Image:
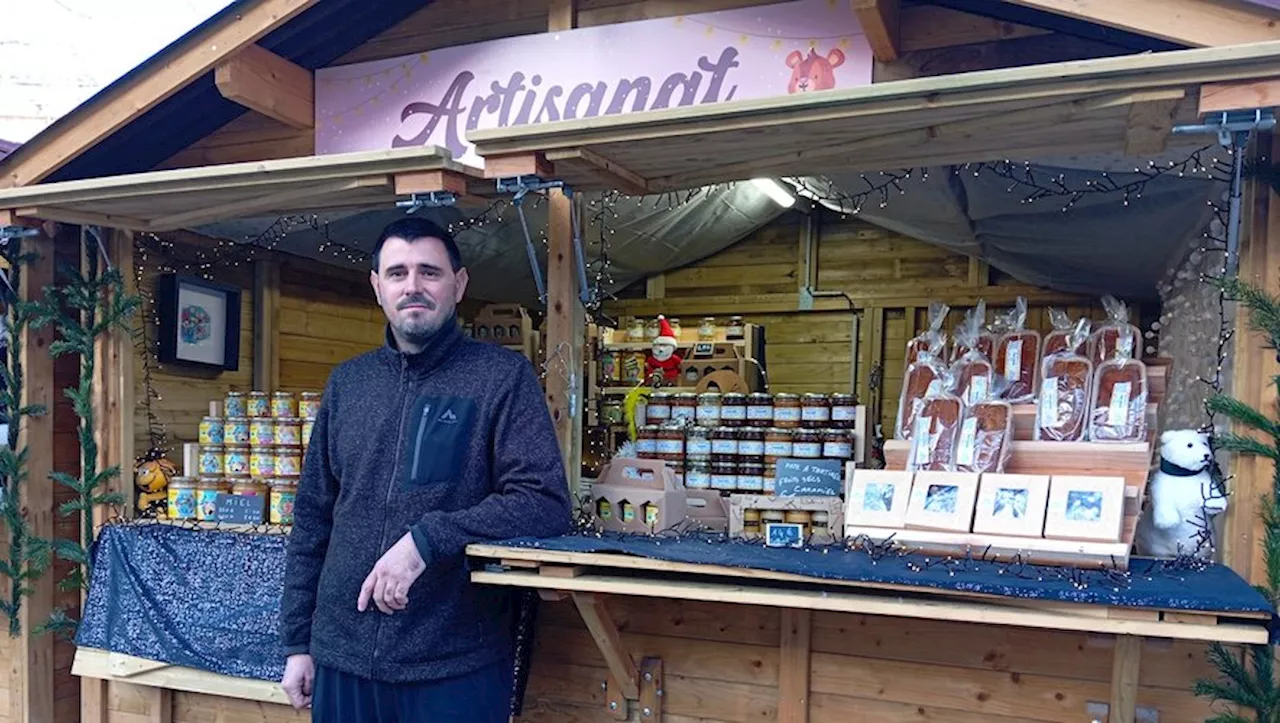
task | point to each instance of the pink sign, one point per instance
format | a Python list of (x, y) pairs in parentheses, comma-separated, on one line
[(436, 98)]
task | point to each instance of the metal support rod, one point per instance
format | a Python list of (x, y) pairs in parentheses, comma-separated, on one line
[(1239, 142), (533, 254), (96, 233), (584, 293)]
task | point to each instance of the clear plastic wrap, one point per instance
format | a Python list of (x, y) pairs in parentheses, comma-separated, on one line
[(1017, 354), (985, 441), (986, 340), (1062, 335), (1066, 390), (973, 371), (936, 427), (932, 339), (922, 375), (1104, 343), (1119, 409)]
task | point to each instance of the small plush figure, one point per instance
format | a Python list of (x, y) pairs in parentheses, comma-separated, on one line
[(1184, 498), (662, 366), (151, 475)]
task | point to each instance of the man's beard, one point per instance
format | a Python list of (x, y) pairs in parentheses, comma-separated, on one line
[(419, 330)]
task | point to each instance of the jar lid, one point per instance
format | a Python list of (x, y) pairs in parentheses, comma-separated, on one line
[(735, 318), (779, 431), (283, 481), (257, 394), (787, 396), (686, 396), (708, 318), (240, 420), (660, 395), (235, 394), (289, 447), (182, 481), (237, 447), (311, 395), (735, 396), (842, 397), (212, 418), (760, 396), (819, 515), (699, 431), (709, 396), (211, 448), (283, 394), (815, 397)]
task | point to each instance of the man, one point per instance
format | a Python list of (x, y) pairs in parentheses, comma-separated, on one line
[(426, 444)]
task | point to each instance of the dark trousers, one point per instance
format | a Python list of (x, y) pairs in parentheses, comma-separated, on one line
[(480, 697)]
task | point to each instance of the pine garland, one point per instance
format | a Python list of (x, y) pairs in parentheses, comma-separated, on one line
[(29, 556), (1249, 683), (82, 309)]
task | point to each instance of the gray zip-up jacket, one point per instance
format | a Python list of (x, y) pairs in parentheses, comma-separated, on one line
[(454, 445)]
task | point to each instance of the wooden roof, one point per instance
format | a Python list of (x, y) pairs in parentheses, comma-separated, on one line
[(170, 199), (1127, 104)]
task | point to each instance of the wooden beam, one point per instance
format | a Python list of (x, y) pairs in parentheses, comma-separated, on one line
[(566, 333), (84, 218), (242, 208), (1219, 97), (610, 172), (31, 682), (1197, 23), (428, 181), (262, 81), (621, 666), (1150, 125), (879, 19), (930, 27), (562, 15), (518, 164), (793, 666), (159, 79), (655, 287), (1125, 667), (266, 325)]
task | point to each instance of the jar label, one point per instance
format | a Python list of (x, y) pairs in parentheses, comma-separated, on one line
[(670, 446), (309, 409), (708, 414), (751, 448), (837, 450), (646, 445), (724, 481), (182, 503), (211, 432), (786, 414), (816, 414), (683, 413), (777, 449), (724, 446), (807, 450), (770, 484), (699, 447), (697, 480), (759, 413), (844, 414), (752, 482), (658, 411), (735, 412), (234, 407)]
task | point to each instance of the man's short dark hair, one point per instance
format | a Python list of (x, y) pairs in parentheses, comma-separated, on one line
[(414, 228)]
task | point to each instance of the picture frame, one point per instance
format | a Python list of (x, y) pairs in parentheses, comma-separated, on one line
[(783, 534), (1087, 508), (199, 322), (877, 498), (942, 501), (1011, 504)]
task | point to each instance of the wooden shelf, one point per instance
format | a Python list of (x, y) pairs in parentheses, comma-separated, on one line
[(106, 665)]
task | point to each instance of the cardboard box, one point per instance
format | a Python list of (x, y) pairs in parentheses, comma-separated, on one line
[(502, 324), (708, 508), (833, 506), (638, 495)]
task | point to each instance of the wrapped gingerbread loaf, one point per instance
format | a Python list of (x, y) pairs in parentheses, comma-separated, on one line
[(986, 437), (986, 341), (1016, 355), (1105, 341), (973, 371), (1062, 336), (936, 427), (1119, 409), (933, 339), (922, 374), (1066, 389)]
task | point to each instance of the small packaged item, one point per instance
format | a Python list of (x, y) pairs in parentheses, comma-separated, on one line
[(973, 371), (1105, 341), (1119, 409), (986, 340), (937, 425), (1062, 335), (933, 339), (921, 376), (1066, 389), (986, 437), (1016, 356)]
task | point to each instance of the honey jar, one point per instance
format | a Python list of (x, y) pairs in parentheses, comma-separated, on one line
[(802, 518), (751, 444), (751, 476), (262, 431), (284, 492), (212, 431), (698, 444), (684, 407), (750, 523), (707, 329), (821, 522), (759, 410), (697, 475), (257, 405), (708, 410), (309, 405), (284, 405), (777, 443), (635, 330), (253, 488), (212, 460), (669, 443), (733, 410), (844, 411), (307, 426), (236, 461), (815, 411), (724, 476), (233, 405), (647, 441), (262, 462), (207, 496), (288, 432), (837, 444), (724, 445), (658, 410), (650, 514), (786, 411), (806, 444), (770, 516), (627, 511), (735, 329), (603, 509), (236, 430), (182, 498), (288, 461)]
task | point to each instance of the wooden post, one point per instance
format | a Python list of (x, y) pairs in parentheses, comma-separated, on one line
[(1125, 668), (266, 325), (566, 327), (1254, 368), (31, 679), (793, 666)]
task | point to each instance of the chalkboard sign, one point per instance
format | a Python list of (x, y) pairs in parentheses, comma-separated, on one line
[(243, 509), (810, 477)]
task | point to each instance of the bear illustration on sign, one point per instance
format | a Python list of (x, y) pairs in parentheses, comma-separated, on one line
[(815, 72)]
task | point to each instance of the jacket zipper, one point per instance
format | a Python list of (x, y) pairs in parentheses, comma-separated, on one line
[(417, 445), (395, 469)]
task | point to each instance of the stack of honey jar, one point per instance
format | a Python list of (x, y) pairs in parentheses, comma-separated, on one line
[(255, 448), (732, 442)]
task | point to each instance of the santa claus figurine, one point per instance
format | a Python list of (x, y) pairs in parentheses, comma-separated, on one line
[(662, 366)]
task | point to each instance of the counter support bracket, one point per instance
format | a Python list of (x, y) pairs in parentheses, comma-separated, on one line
[(624, 674)]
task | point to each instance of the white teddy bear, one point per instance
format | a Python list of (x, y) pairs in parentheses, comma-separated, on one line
[(1184, 498)]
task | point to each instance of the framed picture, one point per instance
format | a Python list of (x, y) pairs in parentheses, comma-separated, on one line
[(1085, 508), (1011, 504), (783, 534), (199, 322), (942, 501), (877, 498)]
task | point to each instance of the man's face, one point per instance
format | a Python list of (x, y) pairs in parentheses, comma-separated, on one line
[(417, 288)]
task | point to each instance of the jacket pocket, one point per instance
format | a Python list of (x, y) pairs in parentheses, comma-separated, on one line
[(439, 435)]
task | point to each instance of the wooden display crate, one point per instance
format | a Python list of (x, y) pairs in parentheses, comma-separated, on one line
[(833, 506)]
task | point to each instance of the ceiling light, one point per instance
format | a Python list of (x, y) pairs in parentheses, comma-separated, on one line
[(775, 191)]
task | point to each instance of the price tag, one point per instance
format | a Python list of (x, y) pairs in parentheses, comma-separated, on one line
[(1118, 409), (1049, 402), (1013, 360), (968, 442), (977, 388)]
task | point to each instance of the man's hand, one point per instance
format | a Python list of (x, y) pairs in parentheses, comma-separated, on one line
[(299, 677), (388, 584)]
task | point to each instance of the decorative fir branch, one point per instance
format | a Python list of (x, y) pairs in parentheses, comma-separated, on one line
[(82, 309), (29, 555)]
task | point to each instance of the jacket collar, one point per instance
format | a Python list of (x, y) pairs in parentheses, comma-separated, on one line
[(434, 354)]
